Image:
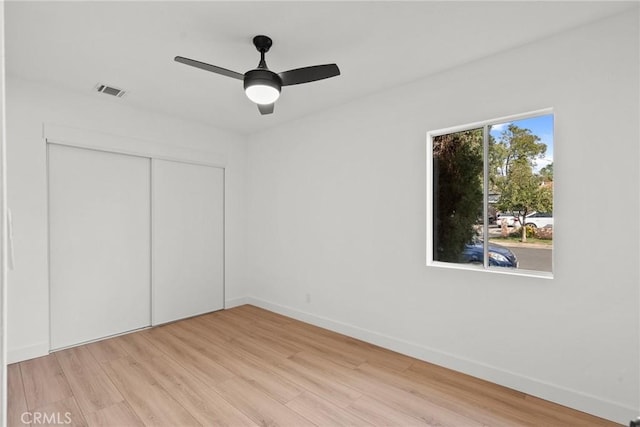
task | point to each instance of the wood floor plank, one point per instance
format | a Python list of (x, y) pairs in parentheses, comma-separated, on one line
[(290, 374), (258, 375), (256, 335), (379, 414), (275, 339), (44, 382), (340, 345), (206, 406), (259, 346), (221, 331), (137, 345), (189, 357), (62, 412), (560, 414), (91, 387), (505, 403), (337, 393), (433, 373), (106, 350), (407, 402), (304, 336), (16, 400), (262, 409), (323, 413), (119, 414), (469, 408), (151, 403)]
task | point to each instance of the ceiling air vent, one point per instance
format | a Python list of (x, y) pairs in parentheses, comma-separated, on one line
[(110, 90)]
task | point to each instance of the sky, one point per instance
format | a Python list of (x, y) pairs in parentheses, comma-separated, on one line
[(542, 126)]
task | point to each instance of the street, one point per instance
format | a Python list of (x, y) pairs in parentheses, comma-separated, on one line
[(529, 257), (538, 259)]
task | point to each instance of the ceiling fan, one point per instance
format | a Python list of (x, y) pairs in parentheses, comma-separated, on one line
[(262, 85)]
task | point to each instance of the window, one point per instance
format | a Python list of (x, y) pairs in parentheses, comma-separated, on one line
[(490, 195)]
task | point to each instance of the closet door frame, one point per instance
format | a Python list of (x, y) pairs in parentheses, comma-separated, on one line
[(78, 138)]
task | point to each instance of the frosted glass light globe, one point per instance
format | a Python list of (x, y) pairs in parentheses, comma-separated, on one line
[(262, 94)]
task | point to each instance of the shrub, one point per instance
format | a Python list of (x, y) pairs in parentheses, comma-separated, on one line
[(531, 232), (544, 233)]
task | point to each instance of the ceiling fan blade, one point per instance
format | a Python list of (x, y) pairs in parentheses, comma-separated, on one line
[(265, 108), (309, 74), (209, 67)]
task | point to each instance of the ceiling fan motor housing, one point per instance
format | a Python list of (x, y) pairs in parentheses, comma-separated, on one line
[(261, 76)]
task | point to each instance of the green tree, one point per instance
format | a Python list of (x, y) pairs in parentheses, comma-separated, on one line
[(457, 195), (497, 156), (513, 156), (546, 173), (515, 144)]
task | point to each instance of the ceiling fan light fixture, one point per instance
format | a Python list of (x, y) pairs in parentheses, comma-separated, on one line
[(262, 86), (262, 94)]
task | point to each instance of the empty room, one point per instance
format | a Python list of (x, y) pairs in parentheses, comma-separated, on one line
[(330, 213)]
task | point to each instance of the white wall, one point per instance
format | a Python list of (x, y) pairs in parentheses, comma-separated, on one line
[(336, 210), (29, 106)]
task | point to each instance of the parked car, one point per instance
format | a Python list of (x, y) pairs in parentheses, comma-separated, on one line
[(499, 256), (510, 217), (539, 219), (491, 220)]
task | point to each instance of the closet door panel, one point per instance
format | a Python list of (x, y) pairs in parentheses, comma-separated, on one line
[(188, 240), (99, 237)]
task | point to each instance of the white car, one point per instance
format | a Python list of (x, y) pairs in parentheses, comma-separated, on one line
[(508, 217), (539, 219)]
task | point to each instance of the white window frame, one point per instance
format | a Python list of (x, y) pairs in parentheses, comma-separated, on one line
[(485, 124)]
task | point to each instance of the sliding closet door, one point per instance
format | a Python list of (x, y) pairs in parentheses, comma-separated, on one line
[(99, 237), (188, 240)]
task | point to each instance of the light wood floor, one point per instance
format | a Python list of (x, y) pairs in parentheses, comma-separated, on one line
[(246, 367)]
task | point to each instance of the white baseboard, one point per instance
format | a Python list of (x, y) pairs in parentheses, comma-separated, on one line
[(235, 302), (571, 398), (29, 352)]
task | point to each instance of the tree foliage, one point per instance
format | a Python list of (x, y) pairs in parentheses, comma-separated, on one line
[(546, 173), (457, 195), (515, 145), (512, 158)]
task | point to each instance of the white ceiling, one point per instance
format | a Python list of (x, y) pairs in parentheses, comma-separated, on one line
[(377, 45)]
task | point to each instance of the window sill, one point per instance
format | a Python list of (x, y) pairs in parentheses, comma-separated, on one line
[(494, 270)]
